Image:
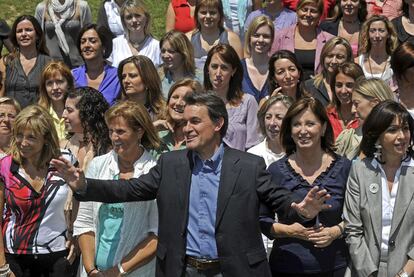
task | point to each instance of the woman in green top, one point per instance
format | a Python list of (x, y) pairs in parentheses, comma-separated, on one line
[(173, 137)]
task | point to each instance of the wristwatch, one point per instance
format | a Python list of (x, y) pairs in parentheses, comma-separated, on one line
[(402, 273)]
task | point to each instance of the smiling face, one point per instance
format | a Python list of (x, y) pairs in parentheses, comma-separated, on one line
[(176, 104), (171, 58), (260, 41), (307, 130), (25, 34), (273, 120), (378, 33), (132, 81), (335, 57), (395, 140), (71, 116), (349, 7), (286, 74), (344, 86), (29, 144), (220, 72), (125, 140), (201, 133), (208, 17), (135, 22), (56, 87), (91, 45), (7, 116), (308, 15)]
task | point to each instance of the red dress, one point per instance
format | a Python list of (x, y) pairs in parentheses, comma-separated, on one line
[(183, 20), (327, 6)]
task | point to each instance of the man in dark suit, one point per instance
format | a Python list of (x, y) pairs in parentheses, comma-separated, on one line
[(208, 199)]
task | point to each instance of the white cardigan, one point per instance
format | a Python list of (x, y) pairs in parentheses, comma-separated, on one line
[(140, 218)]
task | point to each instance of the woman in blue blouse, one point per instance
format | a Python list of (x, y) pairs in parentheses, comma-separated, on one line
[(95, 46), (317, 247)]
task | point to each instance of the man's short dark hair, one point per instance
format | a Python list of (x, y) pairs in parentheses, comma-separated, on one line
[(215, 107)]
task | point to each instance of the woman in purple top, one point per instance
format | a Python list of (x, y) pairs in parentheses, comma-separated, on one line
[(281, 16), (95, 45), (223, 73)]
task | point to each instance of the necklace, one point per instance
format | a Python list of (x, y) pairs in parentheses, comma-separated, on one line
[(370, 68), (137, 45)]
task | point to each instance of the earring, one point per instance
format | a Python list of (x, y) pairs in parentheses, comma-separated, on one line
[(378, 152)]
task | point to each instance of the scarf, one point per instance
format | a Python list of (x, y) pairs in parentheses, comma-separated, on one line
[(66, 11), (241, 10)]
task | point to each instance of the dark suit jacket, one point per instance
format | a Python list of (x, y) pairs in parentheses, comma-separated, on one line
[(244, 182)]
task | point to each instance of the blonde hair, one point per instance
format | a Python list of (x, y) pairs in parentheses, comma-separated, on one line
[(137, 7), (41, 123), (136, 117), (318, 3), (328, 47), (10, 101), (365, 44), (49, 71), (181, 44), (374, 88), (258, 22)]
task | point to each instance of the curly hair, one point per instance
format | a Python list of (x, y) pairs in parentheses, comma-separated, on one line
[(365, 44), (92, 107)]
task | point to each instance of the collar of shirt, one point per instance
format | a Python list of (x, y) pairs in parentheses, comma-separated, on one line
[(405, 163), (213, 163)]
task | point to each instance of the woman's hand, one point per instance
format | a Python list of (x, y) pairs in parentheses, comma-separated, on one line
[(72, 246), (323, 236), (297, 230), (112, 272), (161, 125)]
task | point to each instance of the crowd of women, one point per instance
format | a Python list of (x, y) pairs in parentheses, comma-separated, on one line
[(321, 89)]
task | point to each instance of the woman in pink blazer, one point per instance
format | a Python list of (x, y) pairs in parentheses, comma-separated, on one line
[(305, 39)]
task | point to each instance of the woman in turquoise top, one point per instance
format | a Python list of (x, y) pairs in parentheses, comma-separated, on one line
[(173, 137), (121, 237)]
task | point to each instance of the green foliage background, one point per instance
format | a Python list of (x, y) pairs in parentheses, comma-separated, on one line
[(10, 9)]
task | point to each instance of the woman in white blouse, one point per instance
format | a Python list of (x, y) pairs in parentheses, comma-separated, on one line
[(379, 203), (270, 116), (118, 238), (137, 39)]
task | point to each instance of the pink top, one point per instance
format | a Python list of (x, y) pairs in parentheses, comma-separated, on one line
[(390, 8), (285, 40)]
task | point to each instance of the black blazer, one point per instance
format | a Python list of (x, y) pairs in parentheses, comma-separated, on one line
[(244, 182)]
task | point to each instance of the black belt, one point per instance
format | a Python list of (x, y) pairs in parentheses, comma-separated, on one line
[(202, 263)]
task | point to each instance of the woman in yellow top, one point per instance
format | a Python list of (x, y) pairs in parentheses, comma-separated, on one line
[(55, 82)]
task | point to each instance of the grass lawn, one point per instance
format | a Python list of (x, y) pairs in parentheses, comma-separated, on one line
[(10, 9)]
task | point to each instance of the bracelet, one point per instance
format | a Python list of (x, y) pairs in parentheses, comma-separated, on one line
[(90, 271), (4, 268), (341, 229), (6, 273), (122, 272)]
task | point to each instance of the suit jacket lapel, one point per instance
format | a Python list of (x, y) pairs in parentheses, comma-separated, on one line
[(374, 197), (404, 196), (229, 174)]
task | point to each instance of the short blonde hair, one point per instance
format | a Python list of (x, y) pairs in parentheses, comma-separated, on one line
[(5, 100), (138, 7), (258, 22), (136, 117), (41, 123), (365, 44), (374, 88), (318, 3)]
